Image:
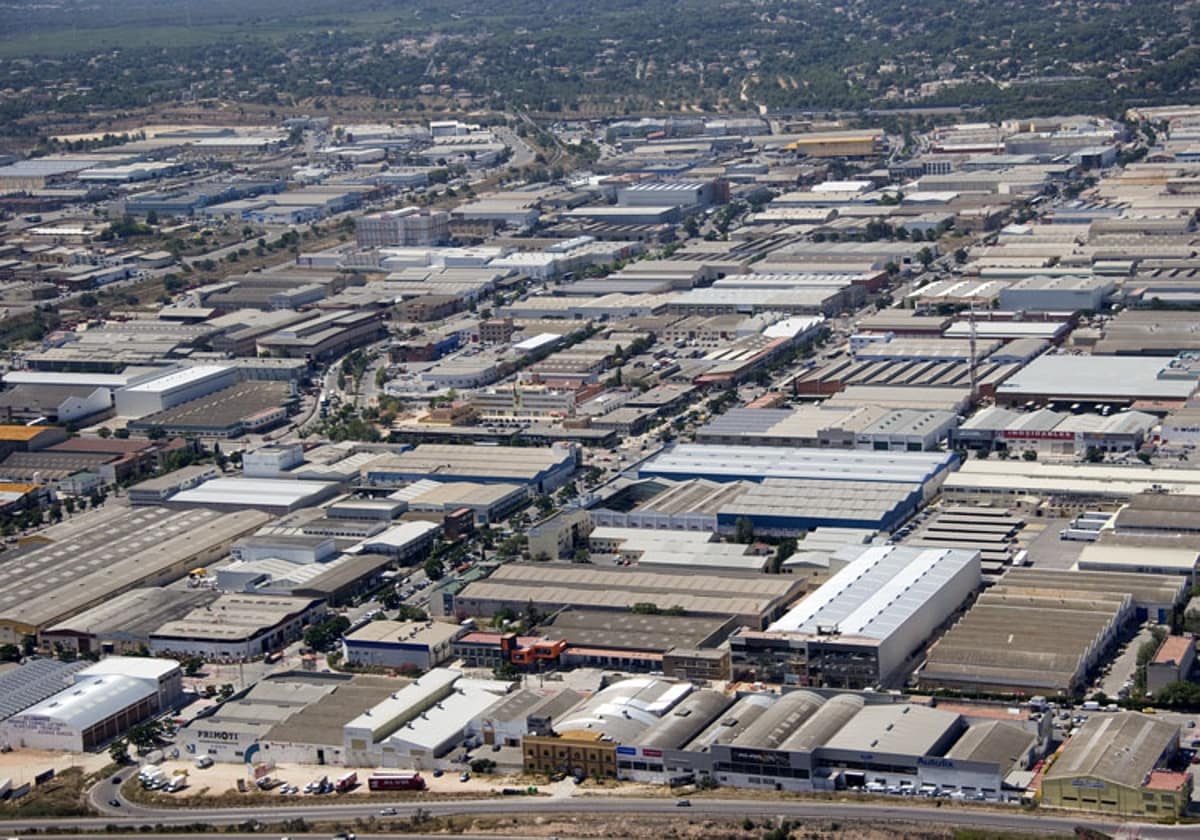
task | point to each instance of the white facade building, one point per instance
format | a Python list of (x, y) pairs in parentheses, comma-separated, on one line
[(173, 388)]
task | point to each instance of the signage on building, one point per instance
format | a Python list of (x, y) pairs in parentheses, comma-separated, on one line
[(1018, 434), (934, 761), (626, 750), (651, 753), (1088, 783), (216, 735), (768, 757)]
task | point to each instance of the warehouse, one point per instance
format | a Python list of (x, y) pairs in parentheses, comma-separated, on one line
[(312, 733), (171, 389), (1148, 332), (860, 627), (544, 469), (631, 641), (234, 730), (811, 300), (487, 502), (1149, 558), (750, 463), (752, 599), (421, 722), (1120, 764), (1057, 294), (326, 336), (991, 531), (404, 542), (93, 557), (102, 702), (791, 507), (1045, 431), (123, 624), (237, 627), (1110, 380), (270, 495), (228, 413), (809, 425), (1044, 632), (25, 684), (1063, 484), (405, 645), (659, 504), (796, 741), (664, 550)]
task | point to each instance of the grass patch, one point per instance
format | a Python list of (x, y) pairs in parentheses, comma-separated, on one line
[(62, 796)]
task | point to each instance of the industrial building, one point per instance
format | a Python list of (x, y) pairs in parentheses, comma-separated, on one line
[(237, 627), (782, 507), (749, 463), (543, 469), (753, 599), (662, 550), (1057, 294), (92, 558), (1069, 486), (1095, 380), (250, 406), (1040, 632), (173, 388), (1120, 764), (123, 624), (102, 702), (859, 628), (867, 427), (272, 495), (654, 730), (404, 645), (421, 722)]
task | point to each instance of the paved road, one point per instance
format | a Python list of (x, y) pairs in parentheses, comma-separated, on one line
[(131, 815)]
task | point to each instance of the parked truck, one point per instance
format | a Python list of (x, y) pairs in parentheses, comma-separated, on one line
[(345, 782), (395, 781)]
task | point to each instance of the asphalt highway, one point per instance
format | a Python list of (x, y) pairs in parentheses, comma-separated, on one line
[(131, 816)]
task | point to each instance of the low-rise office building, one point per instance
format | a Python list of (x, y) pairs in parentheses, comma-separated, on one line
[(405, 645)]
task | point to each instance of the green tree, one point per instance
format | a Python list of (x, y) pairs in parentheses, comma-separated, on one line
[(118, 751), (743, 530), (145, 735), (434, 570), (10, 653)]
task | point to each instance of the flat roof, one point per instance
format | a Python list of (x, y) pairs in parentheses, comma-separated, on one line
[(178, 379), (416, 633), (1097, 377), (690, 460), (270, 492)]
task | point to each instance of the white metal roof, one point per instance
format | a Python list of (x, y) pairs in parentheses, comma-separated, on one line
[(877, 592), (179, 378), (398, 536), (90, 700), (252, 491)]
